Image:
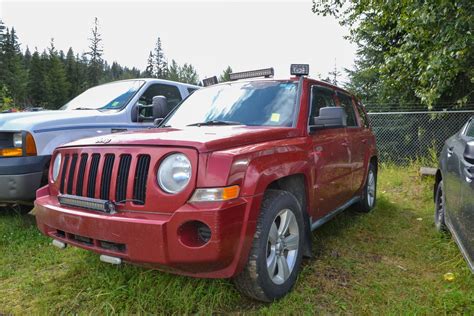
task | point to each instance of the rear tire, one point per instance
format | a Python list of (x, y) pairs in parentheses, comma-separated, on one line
[(440, 209), (369, 194), (275, 258)]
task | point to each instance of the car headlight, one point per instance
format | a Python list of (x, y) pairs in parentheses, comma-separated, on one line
[(18, 140), (56, 166), (174, 173)]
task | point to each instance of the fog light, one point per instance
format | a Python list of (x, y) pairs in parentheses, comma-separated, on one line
[(194, 234)]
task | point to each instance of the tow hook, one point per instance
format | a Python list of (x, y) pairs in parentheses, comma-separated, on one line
[(59, 244), (110, 259)]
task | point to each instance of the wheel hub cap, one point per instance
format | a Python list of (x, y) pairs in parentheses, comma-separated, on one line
[(282, 246)]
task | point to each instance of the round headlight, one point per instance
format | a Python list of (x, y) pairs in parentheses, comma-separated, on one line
[(56, 166), (174, 173)]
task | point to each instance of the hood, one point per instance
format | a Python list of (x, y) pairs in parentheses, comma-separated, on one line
[(204, 138), (30, 121)]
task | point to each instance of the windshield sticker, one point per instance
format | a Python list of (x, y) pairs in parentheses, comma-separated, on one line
[(275, 117), (115, 103)]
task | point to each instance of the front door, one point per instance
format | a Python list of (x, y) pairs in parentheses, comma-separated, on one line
[(330, 151)]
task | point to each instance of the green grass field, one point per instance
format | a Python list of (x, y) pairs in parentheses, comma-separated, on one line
[(391, 261)]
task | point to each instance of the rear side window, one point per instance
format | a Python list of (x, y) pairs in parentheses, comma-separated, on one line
[(470, 129), (320, 97), (346, 103), (363, 116), (191, 90)]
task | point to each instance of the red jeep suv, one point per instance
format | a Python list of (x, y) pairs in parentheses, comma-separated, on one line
[(229, 185)]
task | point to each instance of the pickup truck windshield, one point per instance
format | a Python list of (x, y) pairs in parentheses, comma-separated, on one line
[(254, 103), (110, 96)]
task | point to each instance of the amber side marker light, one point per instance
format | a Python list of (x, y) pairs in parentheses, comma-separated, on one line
[(216, 194), (30, 147)]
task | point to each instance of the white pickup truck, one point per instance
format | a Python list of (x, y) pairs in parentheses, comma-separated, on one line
[(27, 139)]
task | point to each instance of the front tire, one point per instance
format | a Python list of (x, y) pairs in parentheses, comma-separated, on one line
[(440, 209), (275, 258)]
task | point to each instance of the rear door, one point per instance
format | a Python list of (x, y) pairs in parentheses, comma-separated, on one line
[(358, 134), (465, 221), (332, 170)]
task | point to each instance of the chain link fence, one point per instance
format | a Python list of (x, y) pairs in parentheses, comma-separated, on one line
[(405, 136)]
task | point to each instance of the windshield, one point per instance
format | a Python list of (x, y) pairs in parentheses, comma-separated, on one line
[(110, 96), (255, 103)]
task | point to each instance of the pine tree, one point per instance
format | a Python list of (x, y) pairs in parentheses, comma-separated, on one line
[(174, 71), (57, 86), (225, 76), (13, 74), (188, 74), (95, 53), (2, 31), (159, 65), (149, 66), (334, 74), (36, 81)]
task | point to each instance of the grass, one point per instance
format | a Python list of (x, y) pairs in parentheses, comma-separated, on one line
[(390, 261)]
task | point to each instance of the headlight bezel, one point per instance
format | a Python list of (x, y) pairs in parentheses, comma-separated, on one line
[(56, 167), (161, 173)]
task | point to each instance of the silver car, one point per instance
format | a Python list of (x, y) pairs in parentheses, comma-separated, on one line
[(454, 190)]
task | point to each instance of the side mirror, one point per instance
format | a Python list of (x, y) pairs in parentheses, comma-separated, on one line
[(330, 117), (469, 152), (160, 107)]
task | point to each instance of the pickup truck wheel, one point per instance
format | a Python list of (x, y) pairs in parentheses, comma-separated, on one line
[(275, 258), (439, 219), (369, 194)]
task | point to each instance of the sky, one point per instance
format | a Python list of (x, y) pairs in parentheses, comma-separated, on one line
[(210, 35)]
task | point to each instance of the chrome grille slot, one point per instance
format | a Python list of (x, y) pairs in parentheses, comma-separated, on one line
[(122, 178), (81, 174), (72, 169), (106, 176), (93, 175), (141, 177), (63, 173)]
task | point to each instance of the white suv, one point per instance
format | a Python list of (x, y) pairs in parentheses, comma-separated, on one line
[(27, 139)]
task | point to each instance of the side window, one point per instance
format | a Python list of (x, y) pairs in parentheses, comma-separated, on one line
[(171, 93), (346, 103), (191, 90), (363, 115), (320, 97), (470, 129)]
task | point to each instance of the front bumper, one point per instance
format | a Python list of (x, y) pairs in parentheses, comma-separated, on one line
[(20, 177), (154, 240)]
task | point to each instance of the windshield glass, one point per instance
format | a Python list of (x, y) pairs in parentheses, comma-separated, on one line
[(255, 103), (110, 96)]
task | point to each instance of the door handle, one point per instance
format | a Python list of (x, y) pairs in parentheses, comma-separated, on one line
[(364, 141)]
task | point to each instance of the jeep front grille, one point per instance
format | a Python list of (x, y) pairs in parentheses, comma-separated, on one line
[(100, 171)]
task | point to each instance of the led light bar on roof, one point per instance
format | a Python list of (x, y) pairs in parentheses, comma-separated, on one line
[(209, 81), (268, 72), (87, 203)]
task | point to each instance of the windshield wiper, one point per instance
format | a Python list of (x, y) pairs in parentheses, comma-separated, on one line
[(215, 122)]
